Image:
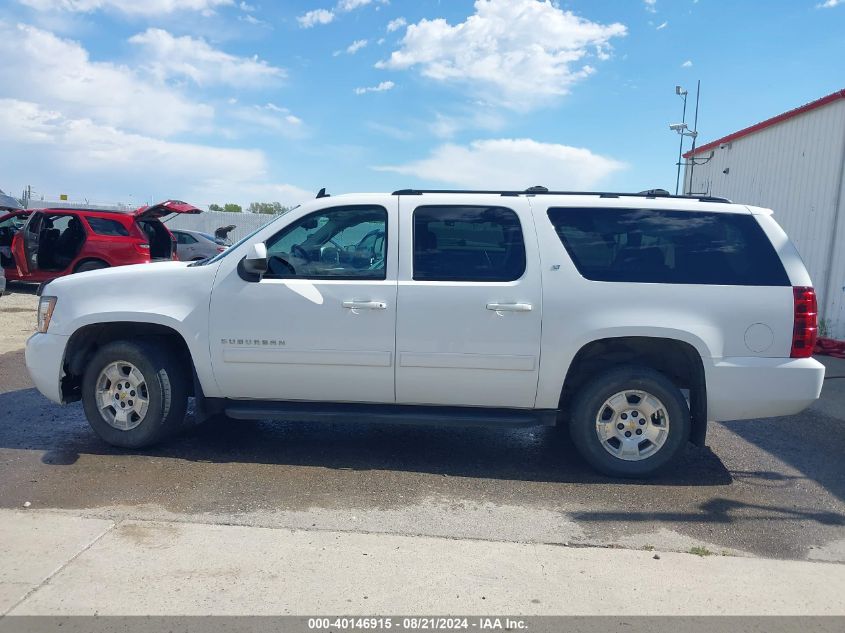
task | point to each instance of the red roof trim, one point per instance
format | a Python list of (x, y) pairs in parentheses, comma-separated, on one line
[(818, 103)]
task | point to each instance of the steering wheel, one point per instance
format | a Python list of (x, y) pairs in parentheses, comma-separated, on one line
[(297, 251), (330, 253), (279, 267)]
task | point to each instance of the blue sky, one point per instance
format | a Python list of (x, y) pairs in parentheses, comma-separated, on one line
[(223, 100)]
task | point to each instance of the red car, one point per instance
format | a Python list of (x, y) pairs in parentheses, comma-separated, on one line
[(40, 245)]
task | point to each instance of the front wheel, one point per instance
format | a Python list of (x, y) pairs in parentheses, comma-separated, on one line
[(134, 394), (630, 422)]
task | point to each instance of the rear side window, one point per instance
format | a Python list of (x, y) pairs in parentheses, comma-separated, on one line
[(184, 238), (460, 243), (674, 247), (104, 226)]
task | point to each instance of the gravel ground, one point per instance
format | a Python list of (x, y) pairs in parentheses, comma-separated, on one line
[(772, 488)]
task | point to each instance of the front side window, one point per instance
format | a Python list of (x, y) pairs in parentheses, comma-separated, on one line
[(676, 247), (338, 243), (464, 243), (104, 226), (14, 222)]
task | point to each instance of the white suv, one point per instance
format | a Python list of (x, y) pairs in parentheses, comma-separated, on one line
[(631, 319)]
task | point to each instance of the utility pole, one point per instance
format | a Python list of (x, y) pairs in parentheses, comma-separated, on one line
[(681, 93), (694, 137)]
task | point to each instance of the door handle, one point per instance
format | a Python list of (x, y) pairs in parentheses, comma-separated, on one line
[(510, 307), (365, 305)]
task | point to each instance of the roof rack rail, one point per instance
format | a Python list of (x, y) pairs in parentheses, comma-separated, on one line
[(542, 191)]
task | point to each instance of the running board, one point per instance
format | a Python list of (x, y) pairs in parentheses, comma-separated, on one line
[(390, 413)]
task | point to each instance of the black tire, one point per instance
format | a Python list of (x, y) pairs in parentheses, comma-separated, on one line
[(92, 265), (167, 390), (587, 407)]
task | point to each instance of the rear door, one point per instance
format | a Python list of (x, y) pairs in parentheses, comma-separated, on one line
[(470, 302), (186, 245)]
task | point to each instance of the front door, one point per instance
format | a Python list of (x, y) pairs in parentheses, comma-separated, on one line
[(320, 324), (468, 327), (26, 257)]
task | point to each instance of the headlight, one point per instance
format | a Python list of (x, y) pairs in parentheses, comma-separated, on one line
[(46, 305)]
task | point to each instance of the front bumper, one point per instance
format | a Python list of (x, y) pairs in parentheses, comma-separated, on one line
[(744, 388), (44, 359)]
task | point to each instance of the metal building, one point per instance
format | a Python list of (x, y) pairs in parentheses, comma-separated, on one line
[(793, 163)]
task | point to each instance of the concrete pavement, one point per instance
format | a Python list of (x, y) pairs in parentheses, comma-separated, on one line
[(62, 564)]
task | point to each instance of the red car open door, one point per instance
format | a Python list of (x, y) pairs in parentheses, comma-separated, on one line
[(25, 245)]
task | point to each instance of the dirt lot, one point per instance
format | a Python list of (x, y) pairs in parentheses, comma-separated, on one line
[(17, 316), (773, 488)]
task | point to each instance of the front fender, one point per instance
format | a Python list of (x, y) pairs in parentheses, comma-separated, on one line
[(170, 294)]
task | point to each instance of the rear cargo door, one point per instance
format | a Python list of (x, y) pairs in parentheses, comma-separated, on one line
[(162, 209)]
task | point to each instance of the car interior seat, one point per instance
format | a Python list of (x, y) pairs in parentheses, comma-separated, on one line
[(47, 243), (69, 243)]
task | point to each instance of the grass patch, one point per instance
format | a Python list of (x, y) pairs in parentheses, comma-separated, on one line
[(700, 551)]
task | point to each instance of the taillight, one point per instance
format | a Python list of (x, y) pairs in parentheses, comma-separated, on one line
[(805, 328), (142, 247)]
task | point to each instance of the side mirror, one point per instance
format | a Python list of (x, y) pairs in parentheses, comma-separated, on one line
[(254, 265)]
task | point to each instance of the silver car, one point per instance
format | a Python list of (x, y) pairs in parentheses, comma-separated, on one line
[(195, 245)]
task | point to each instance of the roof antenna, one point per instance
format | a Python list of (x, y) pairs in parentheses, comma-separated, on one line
[(537, 189), (322, 193)]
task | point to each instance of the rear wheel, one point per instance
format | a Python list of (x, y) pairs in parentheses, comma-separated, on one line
[(630, 422), (134, 394), (92, 265)]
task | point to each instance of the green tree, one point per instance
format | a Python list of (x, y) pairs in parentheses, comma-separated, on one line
[(215, 207), (267, 208), (231, 207)]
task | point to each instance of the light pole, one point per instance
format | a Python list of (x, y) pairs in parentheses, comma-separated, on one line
[(683, 94)]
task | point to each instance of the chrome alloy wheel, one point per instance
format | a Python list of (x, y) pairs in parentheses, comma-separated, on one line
[(122, 396), (632, 425)]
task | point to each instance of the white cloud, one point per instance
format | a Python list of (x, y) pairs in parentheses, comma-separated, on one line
[(382, 87), (107, 162), (272, 118), (129, 7), (59, 74), (829, 4), (325, 16), (662, 25), (687, 64), (395, 25), (251, 19), (195, 59), (356, 46), (519, 53), (650, 5), (351, 5), (511, 164), (312, 18)]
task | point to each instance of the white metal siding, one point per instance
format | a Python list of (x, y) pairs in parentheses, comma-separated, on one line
[(796, 168), (208, 221)]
